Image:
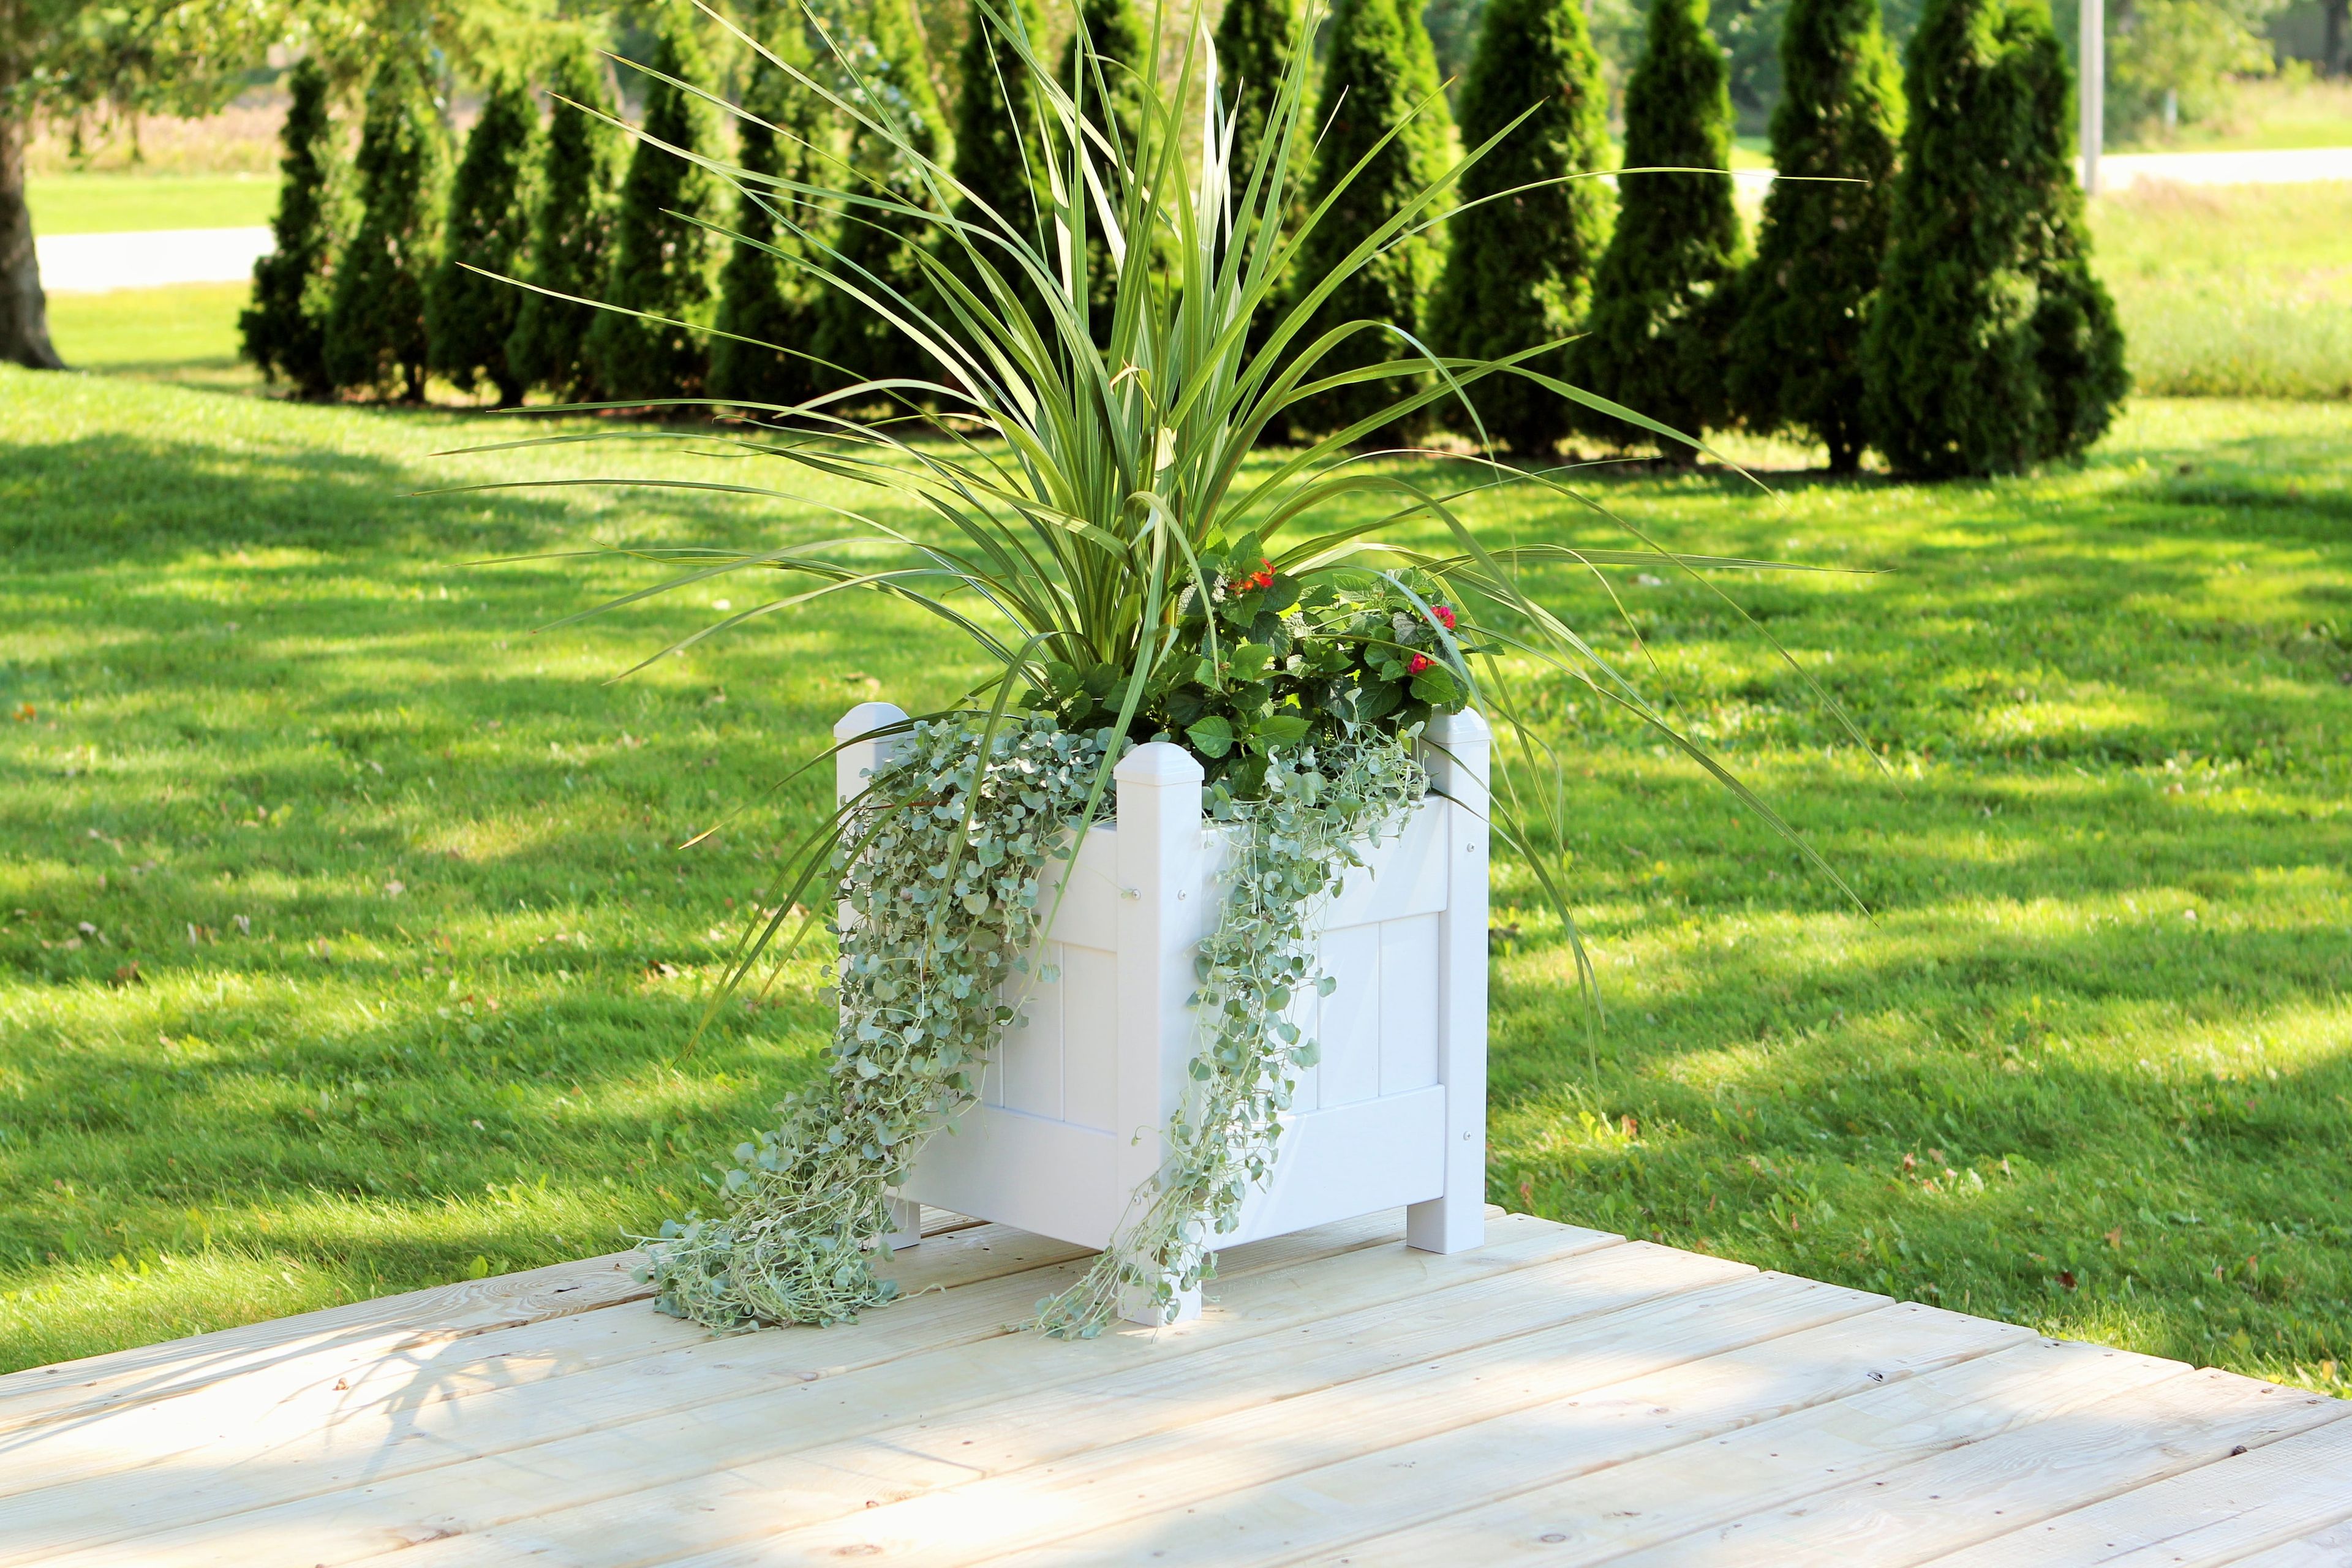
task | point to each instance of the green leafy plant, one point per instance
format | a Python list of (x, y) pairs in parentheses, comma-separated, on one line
[(570, 234), (1093, 524)]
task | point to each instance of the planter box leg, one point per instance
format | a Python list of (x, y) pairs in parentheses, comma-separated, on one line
[(1455, 750), (905, 1223)]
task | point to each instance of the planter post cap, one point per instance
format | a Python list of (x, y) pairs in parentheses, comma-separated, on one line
[(1468, 725), (1158, 762), (867, 718)]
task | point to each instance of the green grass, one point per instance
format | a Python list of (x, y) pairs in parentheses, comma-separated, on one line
[(2224, 290), (346, 946), (119, 204), (187, 332), (2280, 114)]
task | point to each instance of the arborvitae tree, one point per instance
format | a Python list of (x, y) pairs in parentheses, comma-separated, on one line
[(850, 335), (1519, 272), (1256, 40), (471, 316), (285, 333), (1379, 68), (1662, 297), (571, 234), (1122, 47), (663, 264), (375, 332), (1796, 355), (1991, 346), (760, 297), (997, 152)]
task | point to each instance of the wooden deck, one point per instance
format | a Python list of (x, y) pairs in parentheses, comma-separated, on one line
[(1558, 1396)]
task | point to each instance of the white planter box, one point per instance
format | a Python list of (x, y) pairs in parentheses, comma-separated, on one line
[(1394, 1113)]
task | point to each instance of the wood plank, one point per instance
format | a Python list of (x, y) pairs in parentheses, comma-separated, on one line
[(1191, 1465), (348, 1393), (607, 1485), (2328, 1547), (1936, 1506), (2215, 1514), (1667, 1414), (302, 1457), (385, 1325), (1603, 1514)]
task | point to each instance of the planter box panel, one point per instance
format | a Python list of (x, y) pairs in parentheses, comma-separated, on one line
[(1043, 1176), (1335, 1164)]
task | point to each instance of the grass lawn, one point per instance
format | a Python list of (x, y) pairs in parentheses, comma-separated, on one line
[(345, 945), (120, 203), (184, 333)]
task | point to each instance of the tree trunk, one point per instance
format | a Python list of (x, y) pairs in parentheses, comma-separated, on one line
[(24, 309), (2333, 58)]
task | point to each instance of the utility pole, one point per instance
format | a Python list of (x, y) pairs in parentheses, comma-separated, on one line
[(2091, 85)]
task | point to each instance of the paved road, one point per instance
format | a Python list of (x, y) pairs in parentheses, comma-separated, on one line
[(94, 263)]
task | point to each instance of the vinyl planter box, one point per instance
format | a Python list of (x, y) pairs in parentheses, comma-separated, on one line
[(1393, 1113)]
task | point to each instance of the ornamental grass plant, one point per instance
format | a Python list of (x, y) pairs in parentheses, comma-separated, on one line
[(1099, 533)]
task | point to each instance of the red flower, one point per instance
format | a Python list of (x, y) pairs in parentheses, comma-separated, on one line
[(1443, 616), (1263, 576), (1418, 663)]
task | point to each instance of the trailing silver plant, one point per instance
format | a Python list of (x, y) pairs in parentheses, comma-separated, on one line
[(1290, 849), (939, 867)]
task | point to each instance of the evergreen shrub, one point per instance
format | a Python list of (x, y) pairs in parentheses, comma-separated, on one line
[(1520, 270), (1991, 346), (878, 247), (1108, 92), (375, 331), (996, 155), (571, 233), (1796, 357), (1663, 295), (764, 322), (662, 276), (285, 331), (470, 316), (1256, 41), (1379, 72)]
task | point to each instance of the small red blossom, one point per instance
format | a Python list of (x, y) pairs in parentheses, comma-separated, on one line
[(1418, 663), (1443, 616), (1263, 577)]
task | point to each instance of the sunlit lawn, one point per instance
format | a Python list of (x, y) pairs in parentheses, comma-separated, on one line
[(346, 946)]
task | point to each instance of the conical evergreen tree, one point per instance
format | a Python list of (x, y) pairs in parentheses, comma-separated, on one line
[(1796, 355), (571, 234), (1519, 272), (1662, 298), (851, 336), (996, 153), (470, 316), (663, 264), (1378, 70), (1991, 346), (1121, 47), (285, 333), (760, 297), (375, 332), (1256, 41)]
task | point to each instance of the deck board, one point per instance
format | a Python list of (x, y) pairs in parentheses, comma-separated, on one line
[(1559, 1395)]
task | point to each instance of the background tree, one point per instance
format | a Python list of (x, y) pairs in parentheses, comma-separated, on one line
[(760, 297), (1796, 356), (133, 56), (1255, 42), (663, 262), (1519, 269), (1110, 95), (571, 233), (469, 316), (1992, 347), (1661, 298), (285, 330), (849, 334), (375, 331), (1378, 70), (995, 149)]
